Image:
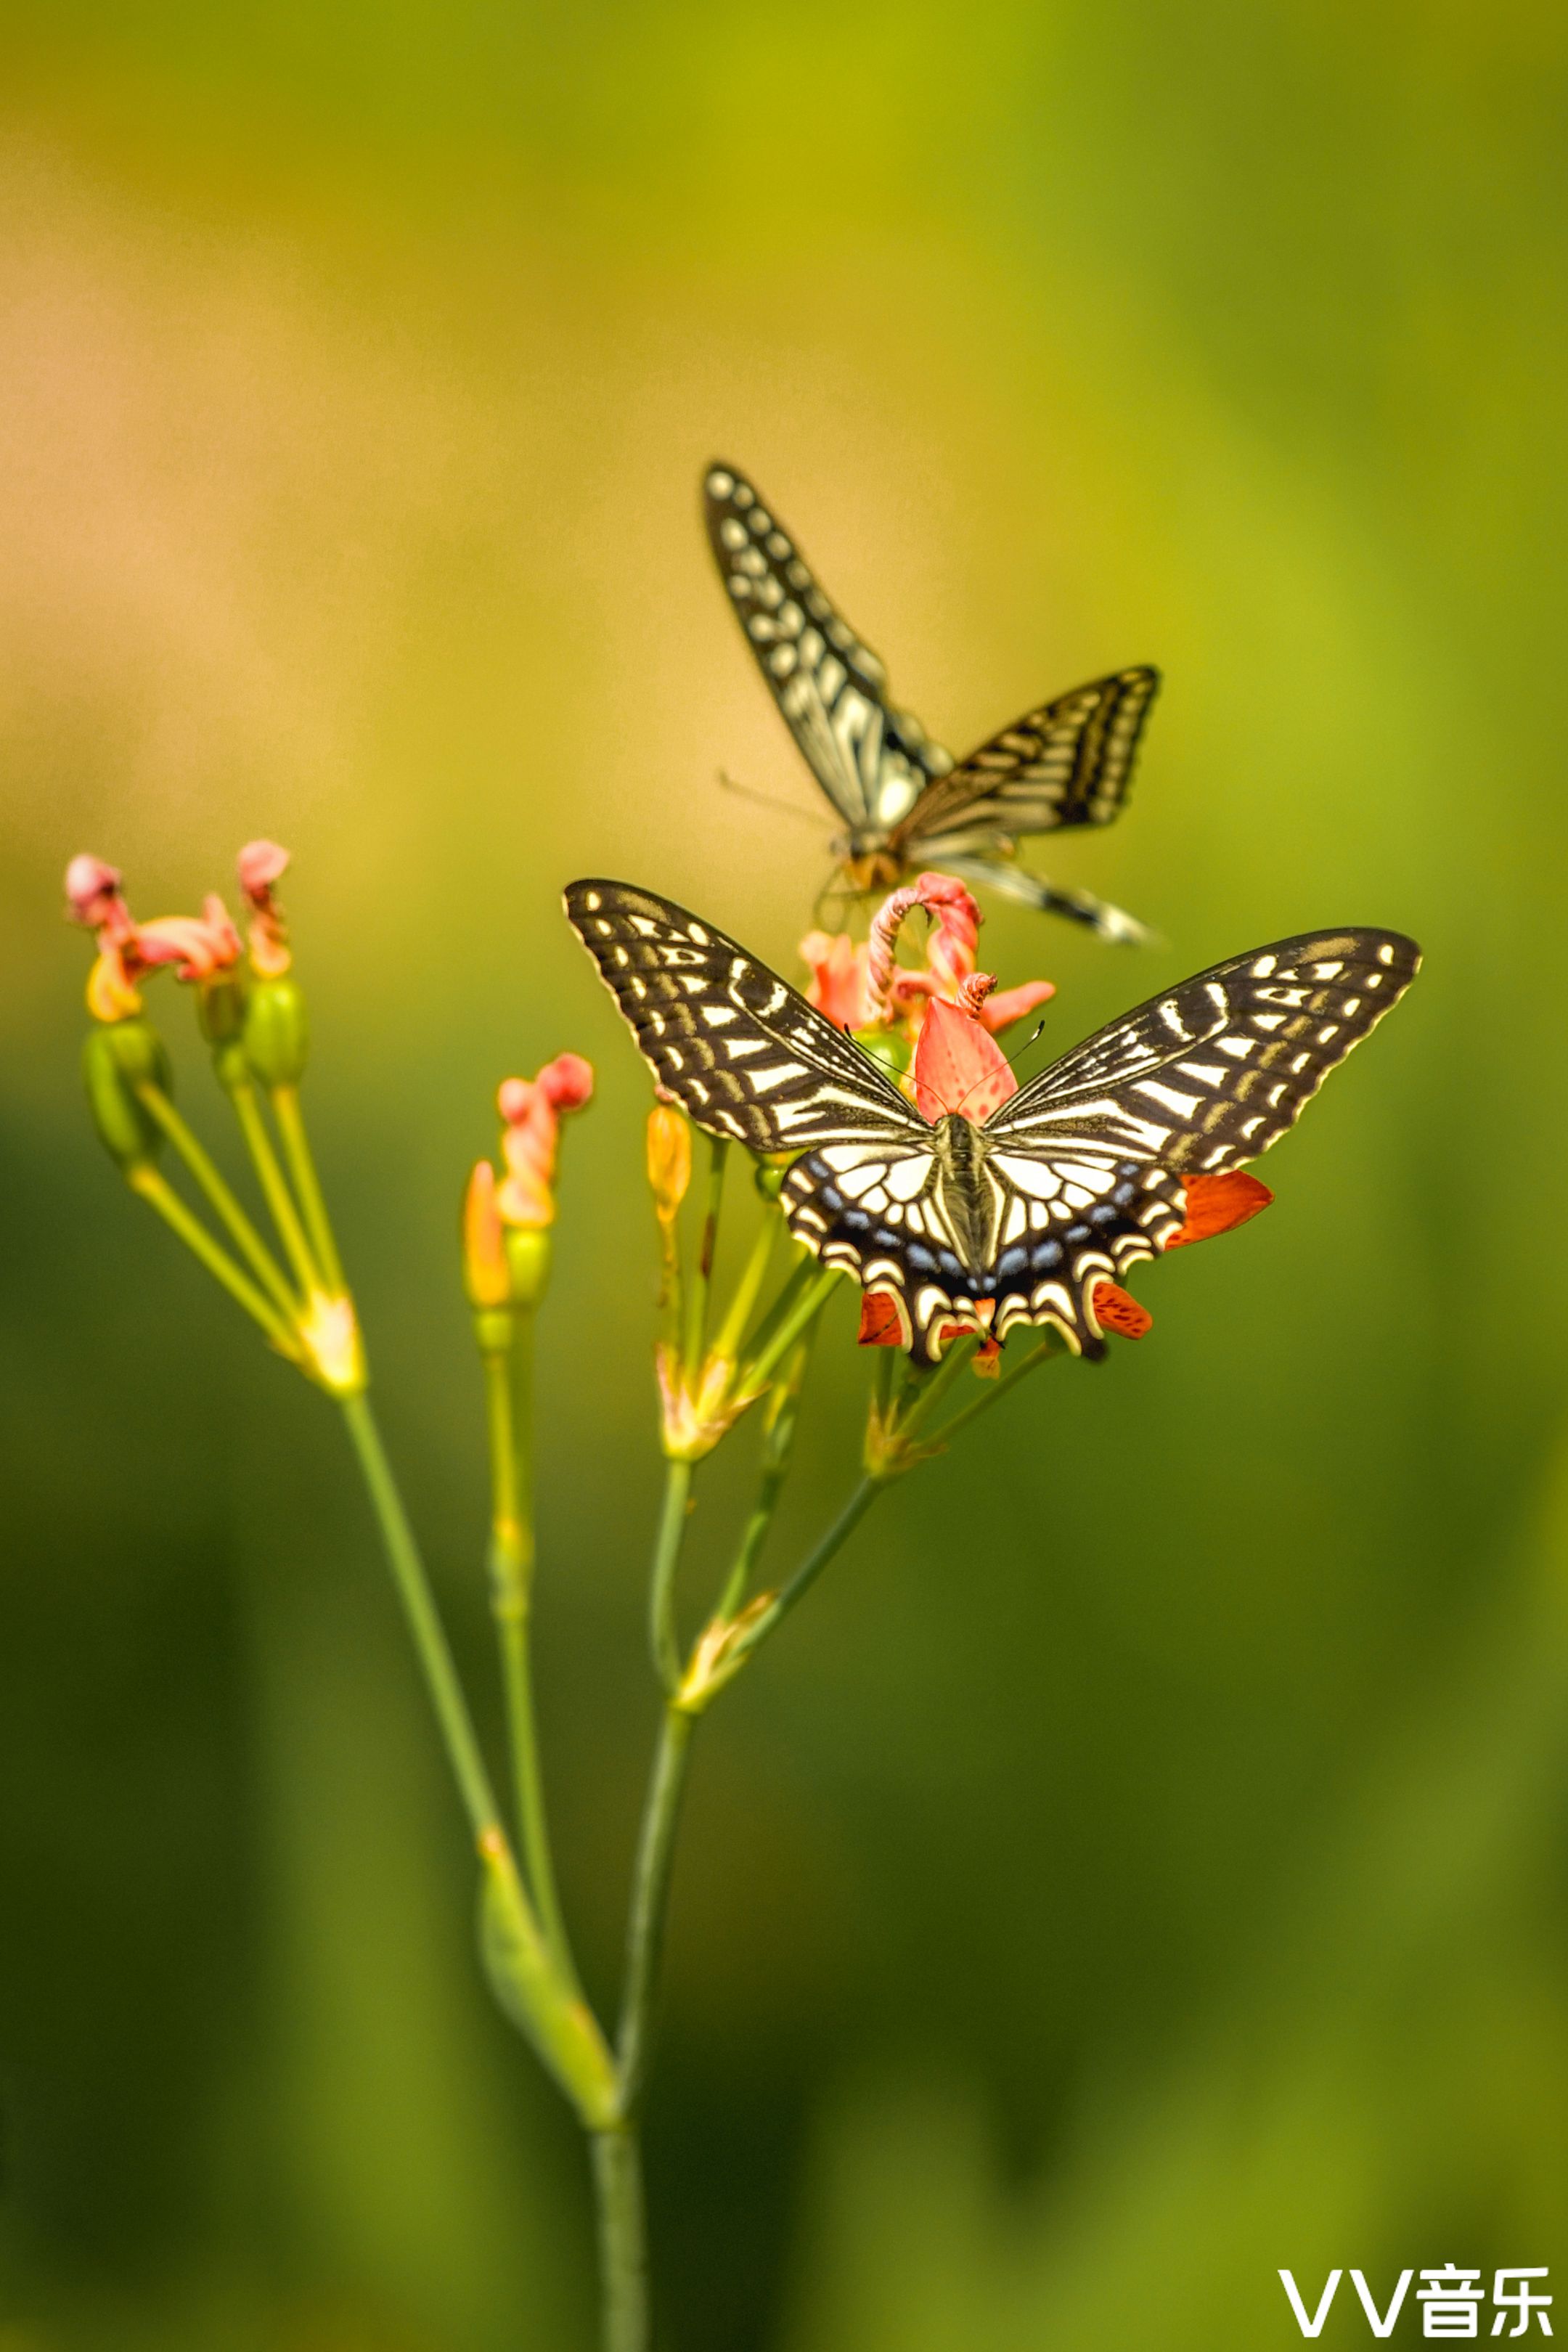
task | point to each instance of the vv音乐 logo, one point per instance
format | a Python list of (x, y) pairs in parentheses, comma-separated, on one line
[(1452, 2302)]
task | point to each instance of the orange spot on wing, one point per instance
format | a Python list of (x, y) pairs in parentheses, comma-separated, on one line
[(1117, 1310), (1214, 1204), (880, 1324)]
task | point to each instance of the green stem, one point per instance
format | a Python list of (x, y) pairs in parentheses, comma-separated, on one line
[(650, 1902), (782, 1412), (269, 1175), (560, 2024), (672, 1517), (996, 1391), (307, 1183), (242, 1232), (623, 2240), (509, 1385), (805, 1576), (812, 1298), (463, 1752), (150, 1185), (934, 1386), (753, 1274), (701, 1280)]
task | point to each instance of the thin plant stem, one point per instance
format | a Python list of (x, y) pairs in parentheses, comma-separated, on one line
[(269, 1176), (672, 1518), (650, 1902), (149, 1184), (251, 1246), (462, 1741), (697, 1287), (752, 1276), (812, 1298), (623, 2239), (997, 1389), (508, 1396), (783, 1414), (307, 1183), (805, 1576), (934, 1386), (559, 2021)]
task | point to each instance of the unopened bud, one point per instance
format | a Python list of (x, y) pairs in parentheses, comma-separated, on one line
[(115, 1060), (277, 1034), (528, 1262), (487, 1278), (220, 1012), (669, 1159)]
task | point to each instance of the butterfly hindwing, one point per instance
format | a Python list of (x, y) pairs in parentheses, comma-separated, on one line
[(871, 761), (1070, 762)]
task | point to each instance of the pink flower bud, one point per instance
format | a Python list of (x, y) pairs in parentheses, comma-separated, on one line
[(259, 865), (532, 1109), (91, 889)]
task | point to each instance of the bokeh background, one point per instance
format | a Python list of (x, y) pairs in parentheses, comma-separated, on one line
[(1142, 1866)]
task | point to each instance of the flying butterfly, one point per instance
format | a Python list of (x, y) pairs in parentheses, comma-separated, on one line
[(903, 801), (1076, 1177)]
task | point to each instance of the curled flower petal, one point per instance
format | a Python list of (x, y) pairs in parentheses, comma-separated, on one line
[(112, 994), (838, 985), (532, 1109), (259, 865), (198, 946), (1009, 1004), (959, 1066), (92, 890)]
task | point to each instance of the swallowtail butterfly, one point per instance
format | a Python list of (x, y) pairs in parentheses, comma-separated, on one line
[(904, 802), (1075, 1178)]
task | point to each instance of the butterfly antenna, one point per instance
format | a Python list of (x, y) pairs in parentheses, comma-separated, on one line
[(1037, 1032), (767, 800)]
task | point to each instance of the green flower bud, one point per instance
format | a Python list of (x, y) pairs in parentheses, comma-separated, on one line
[(767, 1176), (115, 1059), (276, 1036), (220, 1009), (889, 1047), (528, 1261)]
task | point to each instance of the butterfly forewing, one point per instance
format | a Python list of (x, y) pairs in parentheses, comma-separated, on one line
[(1211, 1073), (739, 1049), (871, 761)]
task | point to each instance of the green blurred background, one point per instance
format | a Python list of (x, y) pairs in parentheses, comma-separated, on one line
[(1143, 1864)]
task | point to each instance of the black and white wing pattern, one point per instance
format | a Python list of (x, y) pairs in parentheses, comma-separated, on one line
[(1081, 1174), (1089, 1162), (871, 761), (1068, 762), (742, 1051)]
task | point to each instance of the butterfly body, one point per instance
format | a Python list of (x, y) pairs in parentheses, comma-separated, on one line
[(903, 801), (1023, 1217)]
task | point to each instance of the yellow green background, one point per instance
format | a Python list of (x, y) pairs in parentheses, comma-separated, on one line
[(1141, 1866)]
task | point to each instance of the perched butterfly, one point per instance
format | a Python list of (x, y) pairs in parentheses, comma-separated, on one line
[(904, 802), (1076, 1177)]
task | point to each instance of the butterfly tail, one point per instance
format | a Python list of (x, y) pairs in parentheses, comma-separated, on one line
[(1033, 890)]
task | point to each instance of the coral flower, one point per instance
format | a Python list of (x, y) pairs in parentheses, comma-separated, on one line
[(532, 1109), (863, 988), (200, 946), (261, 865)]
